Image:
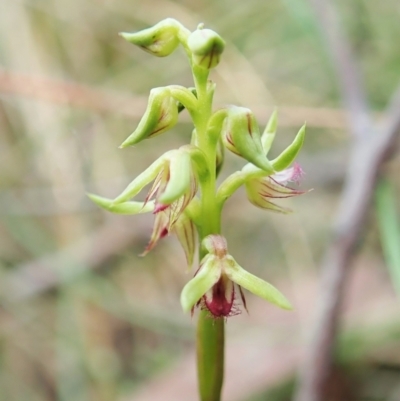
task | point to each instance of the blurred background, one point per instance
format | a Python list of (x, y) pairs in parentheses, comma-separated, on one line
[(82, 316)]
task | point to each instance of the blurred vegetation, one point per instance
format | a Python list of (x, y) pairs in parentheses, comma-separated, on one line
[(84, 318)]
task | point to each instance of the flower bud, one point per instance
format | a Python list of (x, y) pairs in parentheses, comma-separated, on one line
[(241, 135), (160, 116), (206, 47), (160, 40)]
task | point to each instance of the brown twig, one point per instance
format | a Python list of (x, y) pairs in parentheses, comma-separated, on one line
[(370, 149)]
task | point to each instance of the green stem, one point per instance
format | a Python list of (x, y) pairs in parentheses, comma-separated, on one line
[(210, 332), (210, 356)]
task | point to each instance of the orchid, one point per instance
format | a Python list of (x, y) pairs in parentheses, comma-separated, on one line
[(184, 195)]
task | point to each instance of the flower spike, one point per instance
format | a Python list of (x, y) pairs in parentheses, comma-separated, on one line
[(175, 177)]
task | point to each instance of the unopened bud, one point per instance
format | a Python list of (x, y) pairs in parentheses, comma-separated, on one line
[(241, 135), (160, 116), (160, 40), (206, 47)]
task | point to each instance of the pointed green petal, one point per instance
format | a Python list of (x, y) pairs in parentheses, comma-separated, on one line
[(286, 158), (142, 180), (207, 276), (255, 285), (121, 208), (268, 135)]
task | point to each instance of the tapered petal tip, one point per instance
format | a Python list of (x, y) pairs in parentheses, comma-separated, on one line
[(124, 35)]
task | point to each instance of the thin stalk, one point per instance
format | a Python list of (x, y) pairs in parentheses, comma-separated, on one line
[(210, 356), (210, 332)]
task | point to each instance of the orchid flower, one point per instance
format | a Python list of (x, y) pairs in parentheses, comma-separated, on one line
[(219, 279), (261, 190), (174, 186)]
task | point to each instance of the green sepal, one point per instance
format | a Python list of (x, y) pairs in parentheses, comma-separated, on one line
[(180, 170), (255, 284), (160, 40), (208, 274), (121, 208), (286, 158), (143, 179), (268, 135), (161, 115), (241, 135), (206, 47)]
